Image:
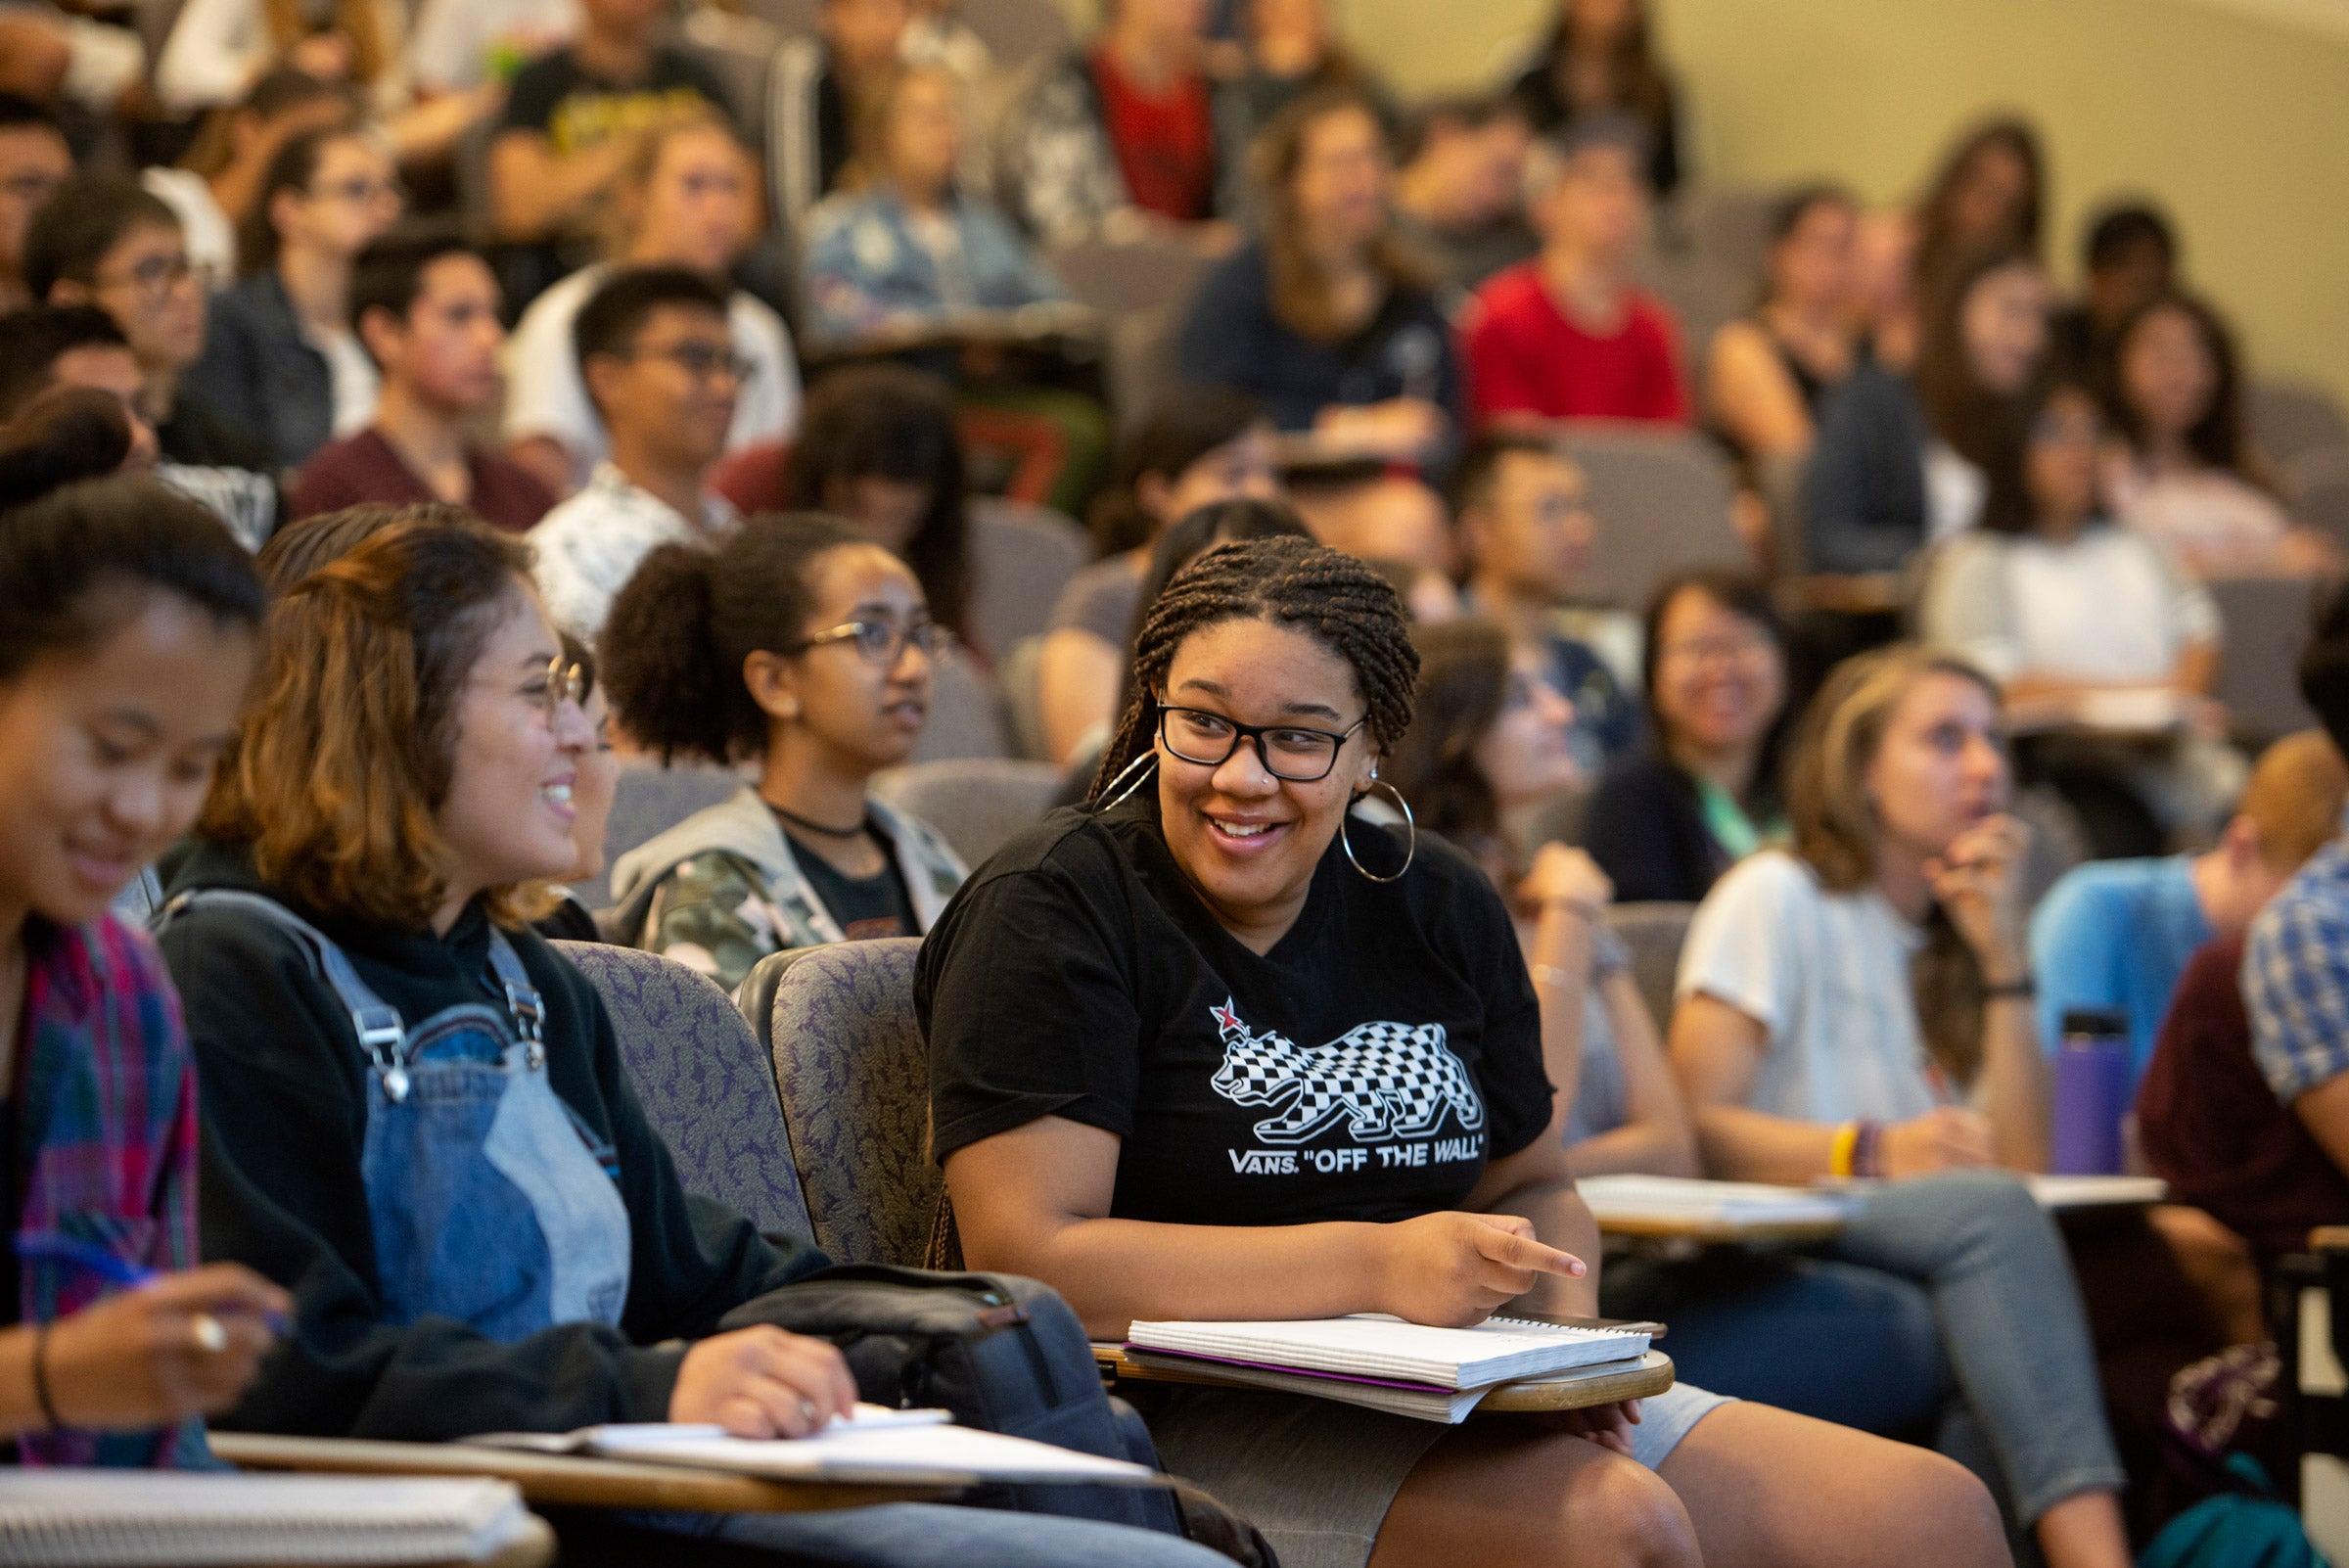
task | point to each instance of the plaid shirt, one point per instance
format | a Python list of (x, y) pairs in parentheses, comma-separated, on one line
[(2296, 977), (107, 1143)]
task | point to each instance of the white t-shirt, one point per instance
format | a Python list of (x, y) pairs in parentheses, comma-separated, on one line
[(1826, 976), (2208, 515), (449, 50), (546, 395), (2105, 604), (355, 381), (590, 545), (1955, 490)]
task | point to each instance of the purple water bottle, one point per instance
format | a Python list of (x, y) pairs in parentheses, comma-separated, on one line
[(2093, 1091)]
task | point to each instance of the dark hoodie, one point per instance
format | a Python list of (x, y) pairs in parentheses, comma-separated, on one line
[(283, 1085)]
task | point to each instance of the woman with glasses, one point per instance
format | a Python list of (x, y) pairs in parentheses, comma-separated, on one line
[(1213, 1046), (281, 361), (1702, 794), (802, 646)]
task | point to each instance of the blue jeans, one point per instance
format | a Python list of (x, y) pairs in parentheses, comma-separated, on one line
[(924, 1535), (2011, 1324), (1833, 1340)]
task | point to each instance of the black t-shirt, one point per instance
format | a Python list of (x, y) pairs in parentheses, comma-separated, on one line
[(574, 110), (1365, 1069), (866, 907)]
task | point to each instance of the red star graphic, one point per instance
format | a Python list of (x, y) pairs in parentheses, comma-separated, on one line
[(1225, 1016)]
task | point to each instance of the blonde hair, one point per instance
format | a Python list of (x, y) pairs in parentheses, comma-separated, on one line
[(2294, 798), (1836, 829), (644, 161)]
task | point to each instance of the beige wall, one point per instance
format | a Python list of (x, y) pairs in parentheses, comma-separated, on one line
[(2238, 123)]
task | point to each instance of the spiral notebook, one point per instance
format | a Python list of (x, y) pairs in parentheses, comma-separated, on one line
[(1374, 1346), (114, 1519)]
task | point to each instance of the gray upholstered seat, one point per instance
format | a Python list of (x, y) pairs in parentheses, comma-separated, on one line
[(976, 803), (705, 1082)]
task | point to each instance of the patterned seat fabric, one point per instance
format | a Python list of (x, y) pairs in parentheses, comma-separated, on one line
[(854, 1077), (703, 1080)]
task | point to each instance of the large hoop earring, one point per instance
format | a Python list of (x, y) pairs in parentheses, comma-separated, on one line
[(1410, 854), (1138, 770)]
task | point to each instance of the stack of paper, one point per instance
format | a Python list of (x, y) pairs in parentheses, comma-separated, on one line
[(1436, 1374), (114, 1519), (910, 1448), (1631, 1199)]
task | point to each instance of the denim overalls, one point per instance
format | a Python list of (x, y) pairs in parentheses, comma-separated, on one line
[(490, 1200)]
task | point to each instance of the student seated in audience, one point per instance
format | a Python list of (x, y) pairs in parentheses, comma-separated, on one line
[(1705, 791), (1118, 136), (128, 621), (686, 199), (463, 46), (802, 646), (1899, 465), (1326, 320), (660, 367), (2184, 473), (2243, 1110), (213, 189), (427, 313), (1991, 191), (34, 160), (1825, 1338), (578, 117), (2057, 604), (1460, 182), (1198, 445), (1085, 986), (1600, 61), (820, 88), (106, 241), (1567, 335), (280, 361), (1885, 250), (2129, 259), (1289, 48), (1766, 373), (417, 675), (902, 247), (1526, 534), (593, 788), (2114, 936), (218, 50), (1860, 1005)]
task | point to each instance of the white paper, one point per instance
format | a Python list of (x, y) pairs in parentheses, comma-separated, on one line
[(1374, 1344), (64, 1518), (1625, 1198), (933, 1454)]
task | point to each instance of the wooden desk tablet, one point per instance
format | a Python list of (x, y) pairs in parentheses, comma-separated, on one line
[(563, 1479), (1645, 1378)]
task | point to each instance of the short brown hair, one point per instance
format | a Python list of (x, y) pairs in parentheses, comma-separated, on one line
[(2294, 798), (349, 747)]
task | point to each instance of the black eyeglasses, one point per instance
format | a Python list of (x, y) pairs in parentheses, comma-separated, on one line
[(1289, 752), (883, 642), (703, 361)]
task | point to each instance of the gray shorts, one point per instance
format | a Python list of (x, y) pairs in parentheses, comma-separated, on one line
[(1317, 1476)]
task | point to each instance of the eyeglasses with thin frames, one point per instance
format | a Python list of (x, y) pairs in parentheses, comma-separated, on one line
[(156, 276), (1291, 751), (702, 361), (563, 682), (883, 642)]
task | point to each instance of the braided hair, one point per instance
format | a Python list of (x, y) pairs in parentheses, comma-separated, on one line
[(1340, 602)]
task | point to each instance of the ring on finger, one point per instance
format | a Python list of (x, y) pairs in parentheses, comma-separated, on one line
[(206, 1331), (808, 1409)]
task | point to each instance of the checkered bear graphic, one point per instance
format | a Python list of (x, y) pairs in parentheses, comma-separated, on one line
[(1388, 1079)]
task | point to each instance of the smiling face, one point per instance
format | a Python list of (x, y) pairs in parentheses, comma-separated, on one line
[(862, 715), (1523, 756), (1720, 681), (1939, 767), (2168, 373), (1248, 840), (2003, 321), (105, 754), (508, 815)]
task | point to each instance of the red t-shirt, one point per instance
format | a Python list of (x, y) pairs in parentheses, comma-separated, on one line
[(1524, 356), (363, 467), (1166, 147)]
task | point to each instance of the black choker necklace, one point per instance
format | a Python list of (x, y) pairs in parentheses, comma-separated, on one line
[(799, 821)]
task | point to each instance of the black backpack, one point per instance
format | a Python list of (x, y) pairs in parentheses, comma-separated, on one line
[(1005, 1354)]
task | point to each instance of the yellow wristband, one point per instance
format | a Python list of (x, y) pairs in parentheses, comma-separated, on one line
[(1839, 1155)]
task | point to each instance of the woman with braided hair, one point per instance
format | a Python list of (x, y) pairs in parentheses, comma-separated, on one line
[(1128, 1009)]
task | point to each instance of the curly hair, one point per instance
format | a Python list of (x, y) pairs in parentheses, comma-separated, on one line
[(1284, 582)]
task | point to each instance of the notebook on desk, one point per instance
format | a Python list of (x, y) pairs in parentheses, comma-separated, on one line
[(1420, 1401), (1374, 1346), (116, 1519)]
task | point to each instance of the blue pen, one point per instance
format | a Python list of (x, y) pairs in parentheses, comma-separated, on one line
[(54, 1247)]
